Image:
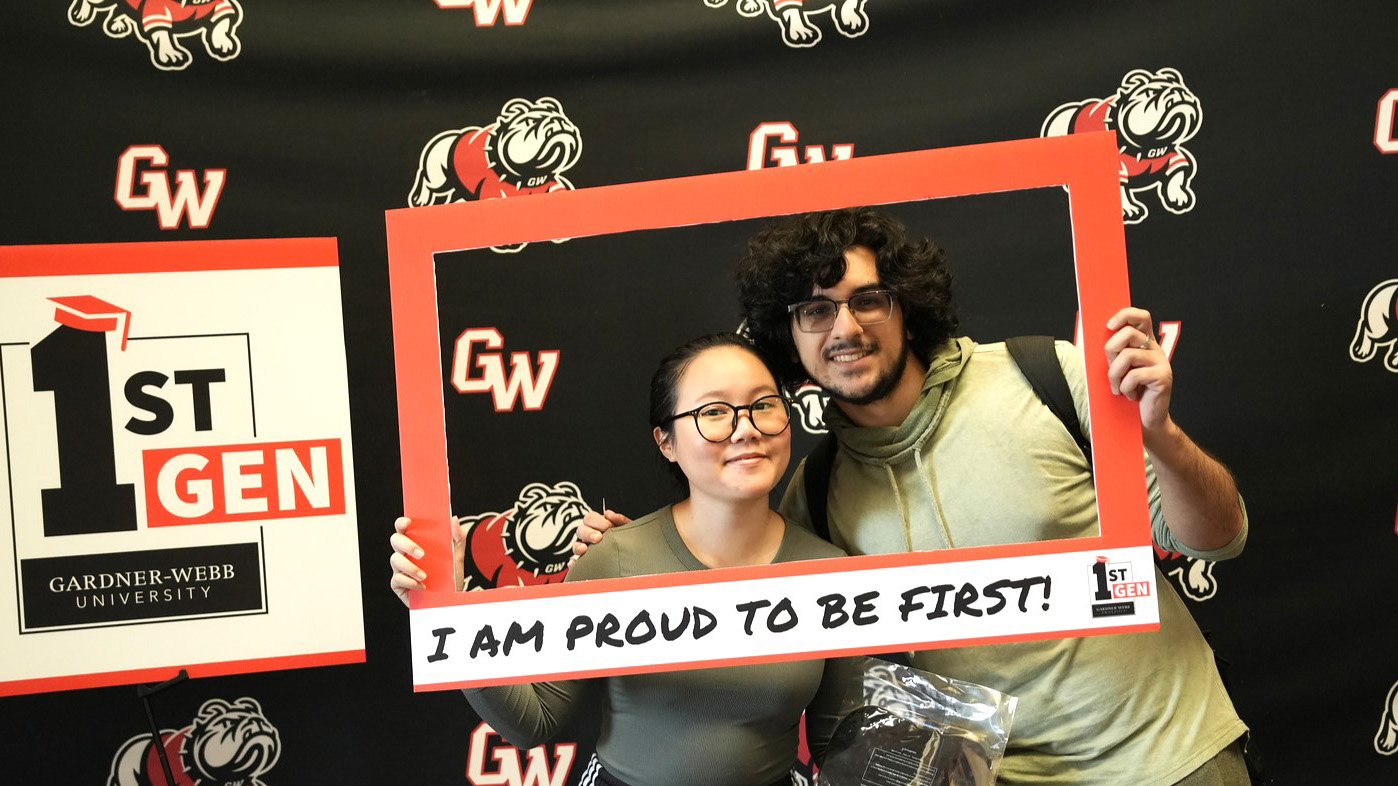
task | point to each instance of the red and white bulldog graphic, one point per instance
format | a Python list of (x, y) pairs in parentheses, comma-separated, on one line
[(159, 24), (530, 543), (1378, 326), (794, 17), (1153, 114), (229, 744), (525, 151)]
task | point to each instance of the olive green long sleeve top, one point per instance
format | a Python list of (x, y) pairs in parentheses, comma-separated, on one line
[(730, 726)]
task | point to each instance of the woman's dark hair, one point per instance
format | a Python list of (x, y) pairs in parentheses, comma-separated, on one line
[(667, 377), (785, 261)]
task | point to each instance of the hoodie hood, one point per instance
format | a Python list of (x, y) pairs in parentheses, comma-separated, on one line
[(884, 445)]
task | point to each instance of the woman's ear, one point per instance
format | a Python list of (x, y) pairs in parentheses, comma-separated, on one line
[(663, 441)]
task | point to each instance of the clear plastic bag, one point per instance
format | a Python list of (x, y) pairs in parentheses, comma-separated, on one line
[(906, 727)]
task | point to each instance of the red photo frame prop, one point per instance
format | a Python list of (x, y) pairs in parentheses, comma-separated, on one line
[(1085, 164)]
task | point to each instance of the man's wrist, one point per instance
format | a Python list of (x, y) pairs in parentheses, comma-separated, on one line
[(1165, 442)]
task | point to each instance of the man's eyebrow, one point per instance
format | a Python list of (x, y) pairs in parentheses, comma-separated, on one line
[(857, 290)]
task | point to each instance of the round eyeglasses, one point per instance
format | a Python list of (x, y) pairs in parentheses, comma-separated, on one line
[(717, 420), (818, 314)]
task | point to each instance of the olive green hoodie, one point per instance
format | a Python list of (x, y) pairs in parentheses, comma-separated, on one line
[(980, 461)]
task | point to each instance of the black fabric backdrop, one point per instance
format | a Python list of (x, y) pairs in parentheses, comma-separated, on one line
[(320, 121)]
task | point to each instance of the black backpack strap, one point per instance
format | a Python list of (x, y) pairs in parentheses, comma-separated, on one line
[(1038, 362), (819, 463)]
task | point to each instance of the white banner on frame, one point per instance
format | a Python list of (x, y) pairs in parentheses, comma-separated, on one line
[(825, 611)]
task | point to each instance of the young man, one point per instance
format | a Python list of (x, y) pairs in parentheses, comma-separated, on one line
[(943, 444)]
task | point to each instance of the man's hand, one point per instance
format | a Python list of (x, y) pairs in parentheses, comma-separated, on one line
[(406, 574), (594, 525), (1138, 369), (1197, 493)]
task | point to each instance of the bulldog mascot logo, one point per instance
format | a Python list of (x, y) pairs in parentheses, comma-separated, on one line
[(525, 151), (159, 24), (1195, 577), (794, 17), (530, 543), (811, 401), (1378, 326), (229, 744), (1153, 114), (1386, 740)]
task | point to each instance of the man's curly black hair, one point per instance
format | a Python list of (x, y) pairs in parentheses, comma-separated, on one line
[(785, 261)]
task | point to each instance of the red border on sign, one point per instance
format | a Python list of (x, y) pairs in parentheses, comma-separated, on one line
[(1086, 164), (86, 259), (162, 673)]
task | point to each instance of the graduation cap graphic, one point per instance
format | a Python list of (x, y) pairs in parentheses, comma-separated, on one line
[(93, 314)]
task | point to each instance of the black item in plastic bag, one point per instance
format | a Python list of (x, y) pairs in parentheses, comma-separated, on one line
[(914, 728)]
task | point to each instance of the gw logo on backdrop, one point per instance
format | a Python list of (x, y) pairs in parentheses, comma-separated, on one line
[(794, 17), (143, 183), (488, 11), (525, 151), (491, 761), (1153, 114), (763, 150), (473, 371), (159, 24)]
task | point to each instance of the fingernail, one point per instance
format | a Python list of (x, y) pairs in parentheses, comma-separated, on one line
[(421, 576), (417, 552)]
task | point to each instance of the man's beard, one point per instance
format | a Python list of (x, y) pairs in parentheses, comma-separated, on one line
[(882, 386)]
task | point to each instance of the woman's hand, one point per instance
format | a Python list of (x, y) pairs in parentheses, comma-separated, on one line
[(593, 526), (407, 575)]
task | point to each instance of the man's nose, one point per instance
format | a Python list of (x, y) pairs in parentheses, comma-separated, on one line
[(845, 324)]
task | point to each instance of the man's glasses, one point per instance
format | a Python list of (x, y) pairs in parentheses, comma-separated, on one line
[(717, 420), (817, 315)]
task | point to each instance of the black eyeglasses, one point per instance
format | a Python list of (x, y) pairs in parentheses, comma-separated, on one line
[(717, 420), (818, 314)]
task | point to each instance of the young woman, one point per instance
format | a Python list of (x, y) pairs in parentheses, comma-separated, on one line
[(716, 414)]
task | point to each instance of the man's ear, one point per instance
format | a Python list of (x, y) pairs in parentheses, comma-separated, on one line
[(663, 441)]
